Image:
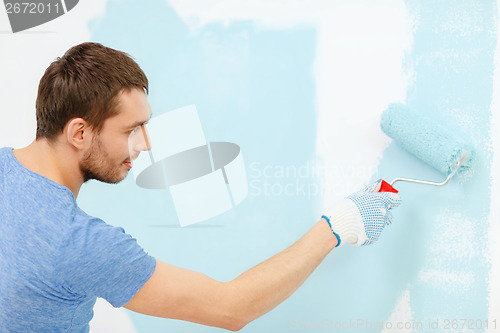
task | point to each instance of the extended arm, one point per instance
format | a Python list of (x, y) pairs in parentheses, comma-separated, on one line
[(177, 293)]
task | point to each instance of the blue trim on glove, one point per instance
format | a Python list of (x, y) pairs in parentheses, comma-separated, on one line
[(336, 235)]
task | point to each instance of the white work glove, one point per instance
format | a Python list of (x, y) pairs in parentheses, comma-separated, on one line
[(360, 218)]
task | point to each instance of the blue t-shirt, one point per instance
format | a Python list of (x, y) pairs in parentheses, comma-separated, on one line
[(55, 259)]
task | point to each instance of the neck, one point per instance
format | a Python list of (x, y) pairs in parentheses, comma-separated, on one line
[(52, 161)]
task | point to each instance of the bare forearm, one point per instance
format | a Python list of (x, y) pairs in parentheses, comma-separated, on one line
[(266, 285)]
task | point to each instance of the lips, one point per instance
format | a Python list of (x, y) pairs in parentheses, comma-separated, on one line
[(128, 163)]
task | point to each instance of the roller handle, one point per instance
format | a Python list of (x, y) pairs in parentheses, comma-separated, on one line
[(386, 187)]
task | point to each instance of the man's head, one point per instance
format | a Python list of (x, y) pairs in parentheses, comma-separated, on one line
[(94, 99), (110, 153)]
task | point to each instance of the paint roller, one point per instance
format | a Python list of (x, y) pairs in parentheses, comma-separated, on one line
[(428, 140)]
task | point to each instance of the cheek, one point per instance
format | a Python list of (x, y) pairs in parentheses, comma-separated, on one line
[(120, 151), (116, 147)]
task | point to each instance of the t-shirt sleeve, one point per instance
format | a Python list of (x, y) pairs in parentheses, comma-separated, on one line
[(103, 261)]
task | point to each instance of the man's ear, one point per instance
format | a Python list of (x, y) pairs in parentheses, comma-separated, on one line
[(78, 133)]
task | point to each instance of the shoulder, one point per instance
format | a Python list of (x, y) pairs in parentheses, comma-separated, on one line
[(87, 230), (91, 238), (4, 151), (92, 243), (99, 259), (4, 155)]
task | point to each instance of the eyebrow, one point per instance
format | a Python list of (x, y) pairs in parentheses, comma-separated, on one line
[(140, 123)]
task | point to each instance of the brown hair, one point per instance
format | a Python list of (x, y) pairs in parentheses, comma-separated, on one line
[(84, 83)]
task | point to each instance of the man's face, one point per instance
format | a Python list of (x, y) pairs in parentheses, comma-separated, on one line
[(120, 141)]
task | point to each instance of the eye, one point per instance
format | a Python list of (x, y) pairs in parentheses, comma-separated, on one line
[(135, 130)]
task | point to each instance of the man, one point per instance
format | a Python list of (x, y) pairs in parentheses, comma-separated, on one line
[(55, 259)]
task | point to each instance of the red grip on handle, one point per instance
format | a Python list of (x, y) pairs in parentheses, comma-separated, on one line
[(386, 187)]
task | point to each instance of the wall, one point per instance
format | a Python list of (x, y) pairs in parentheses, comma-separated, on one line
[(300, 87)]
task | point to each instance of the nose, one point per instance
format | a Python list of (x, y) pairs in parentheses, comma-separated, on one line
[(139, 141), (147, 141)]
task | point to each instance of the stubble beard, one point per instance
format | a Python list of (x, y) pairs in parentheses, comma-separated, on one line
[(97, 165)]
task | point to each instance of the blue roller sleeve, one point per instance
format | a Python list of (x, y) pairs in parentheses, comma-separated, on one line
[(430, 141)]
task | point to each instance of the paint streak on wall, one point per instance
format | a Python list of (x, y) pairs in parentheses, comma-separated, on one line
[(445, 261), (494, 225)]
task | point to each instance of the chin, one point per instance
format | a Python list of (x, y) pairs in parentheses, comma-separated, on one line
[(112, 181), (118, 178), (108, 179)]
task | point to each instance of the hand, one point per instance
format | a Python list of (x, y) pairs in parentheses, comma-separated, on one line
[(362, 216)]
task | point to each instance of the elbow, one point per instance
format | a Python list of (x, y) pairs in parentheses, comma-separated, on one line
[(235, 325), (234, 328), (233, 320), (238, 309), (236, 316)]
